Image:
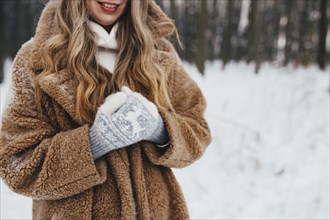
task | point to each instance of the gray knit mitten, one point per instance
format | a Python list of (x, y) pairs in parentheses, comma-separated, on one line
[(135, 120)]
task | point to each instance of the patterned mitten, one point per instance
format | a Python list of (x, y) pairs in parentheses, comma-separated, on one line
[(124, 119), (138, 119), (101, 137)]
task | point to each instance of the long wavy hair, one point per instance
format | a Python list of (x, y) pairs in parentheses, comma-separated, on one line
[(74, 48)]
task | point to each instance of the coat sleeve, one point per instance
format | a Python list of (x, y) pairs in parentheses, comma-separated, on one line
[(187, 128), (36, 160)]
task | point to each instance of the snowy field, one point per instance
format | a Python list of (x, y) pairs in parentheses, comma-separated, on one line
[(269, 158)]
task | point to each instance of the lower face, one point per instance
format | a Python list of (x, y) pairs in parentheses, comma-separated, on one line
[(106, 12)]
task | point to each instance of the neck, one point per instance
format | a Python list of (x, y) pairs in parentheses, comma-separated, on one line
[(108, 28)]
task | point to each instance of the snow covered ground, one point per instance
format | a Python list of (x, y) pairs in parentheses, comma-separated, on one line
[(269, 158)]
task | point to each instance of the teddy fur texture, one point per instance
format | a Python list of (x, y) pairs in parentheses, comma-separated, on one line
[(48, 157)]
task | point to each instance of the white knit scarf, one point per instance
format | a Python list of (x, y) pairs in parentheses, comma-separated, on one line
[(107, 46)]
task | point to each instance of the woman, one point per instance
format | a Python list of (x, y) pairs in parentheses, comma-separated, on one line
[(101, 111)]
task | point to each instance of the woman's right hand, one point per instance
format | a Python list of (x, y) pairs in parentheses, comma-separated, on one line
[(124, 119), (112, 103), (102, 136)]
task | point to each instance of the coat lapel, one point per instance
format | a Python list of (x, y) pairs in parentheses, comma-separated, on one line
[(61, 86)]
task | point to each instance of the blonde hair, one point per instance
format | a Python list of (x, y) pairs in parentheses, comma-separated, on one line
[(74, 48)]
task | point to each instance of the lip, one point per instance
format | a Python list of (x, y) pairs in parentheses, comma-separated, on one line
[(108, 10), (109, 2)]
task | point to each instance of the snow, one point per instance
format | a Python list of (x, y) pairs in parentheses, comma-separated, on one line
[(269, 158)]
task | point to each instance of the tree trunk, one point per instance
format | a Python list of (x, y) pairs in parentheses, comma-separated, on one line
[(303, 33), (258, 37), (189, 32), (213, 27), (254, 35), (271, 27), (2, 42), (243, 31), (173, 9), (226, 43), (160, 3), (201, 39), (323, 23), (288, 32), (234, 30)]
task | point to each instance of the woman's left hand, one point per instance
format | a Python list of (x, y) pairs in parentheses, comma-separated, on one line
[(138, 118)]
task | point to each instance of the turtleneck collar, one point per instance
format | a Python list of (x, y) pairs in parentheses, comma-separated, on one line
[(104, 39), (107, 51)]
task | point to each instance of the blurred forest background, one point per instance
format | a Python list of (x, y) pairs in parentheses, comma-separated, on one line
[(284, 31)]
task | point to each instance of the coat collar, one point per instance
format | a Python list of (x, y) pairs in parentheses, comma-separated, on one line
[(61, 86)]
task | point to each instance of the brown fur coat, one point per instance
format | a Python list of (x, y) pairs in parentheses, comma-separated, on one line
[(47, 156)]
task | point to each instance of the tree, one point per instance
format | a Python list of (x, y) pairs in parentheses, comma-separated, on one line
[(190, 30), (254, 36), (234, 29), (303, 32), (160, 3), (173, 10), (2, 43), (321, 56), (270, 27), (226, 43), (24, 22), (213, 27), (288, 32), (201, 38), (243, 31), (251, 30)]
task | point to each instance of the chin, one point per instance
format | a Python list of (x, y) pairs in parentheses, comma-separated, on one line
[(106, 22)]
